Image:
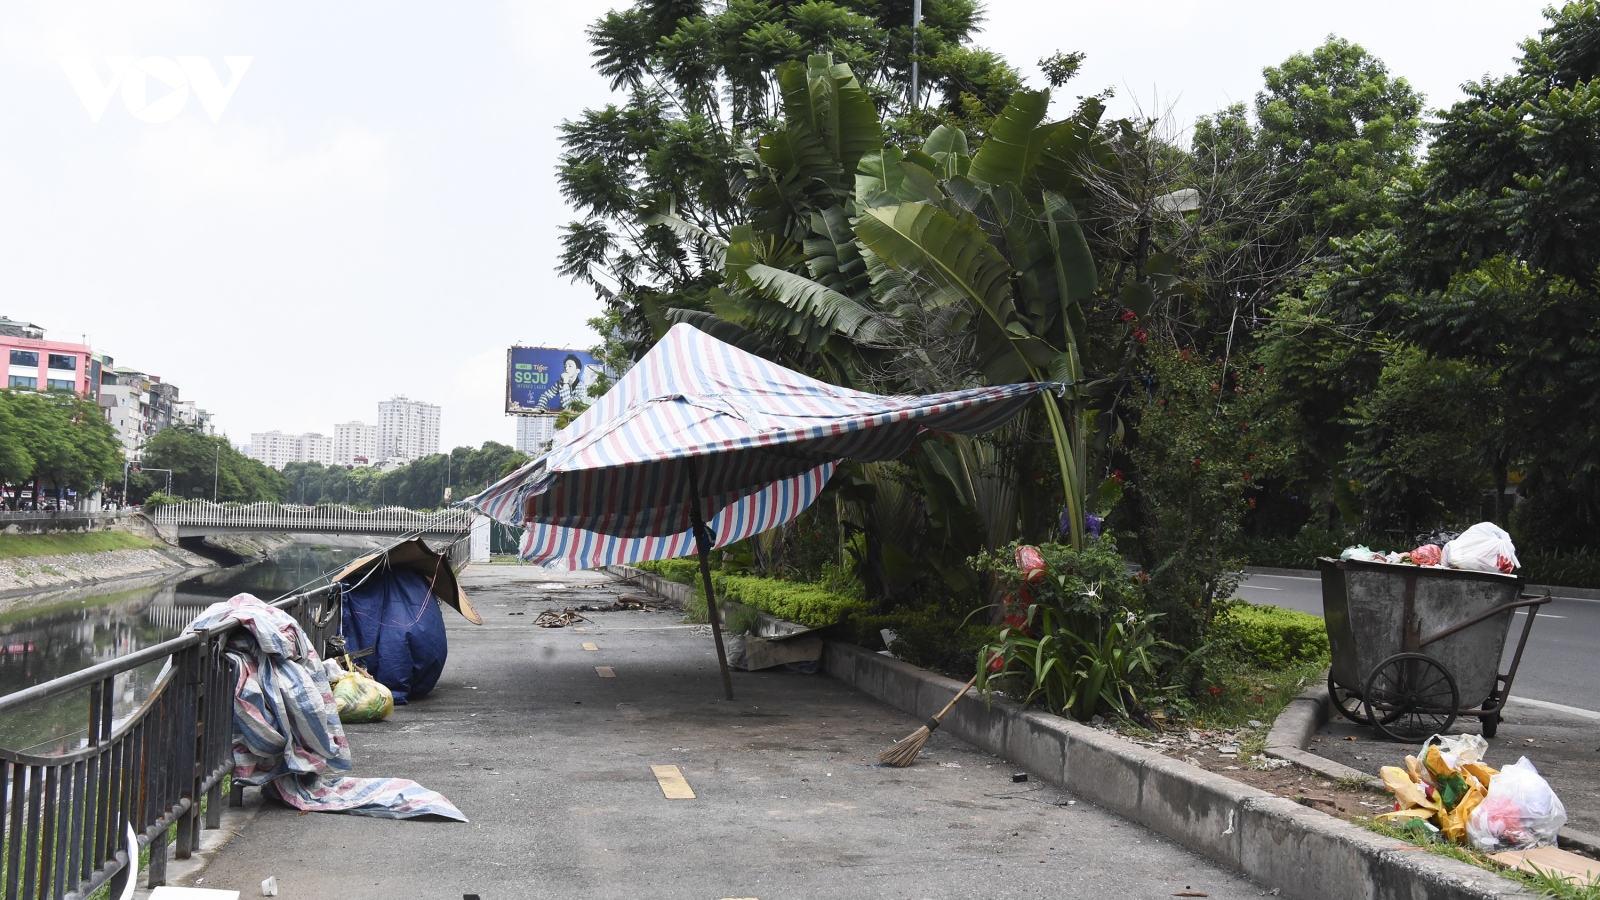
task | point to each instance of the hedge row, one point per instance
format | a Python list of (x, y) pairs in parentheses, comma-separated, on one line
[(1275, 637), (810, 605)]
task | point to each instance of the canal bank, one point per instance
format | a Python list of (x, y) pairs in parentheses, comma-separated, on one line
[(49, 634)]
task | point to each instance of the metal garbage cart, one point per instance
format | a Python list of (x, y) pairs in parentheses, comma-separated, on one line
[(1414, 647)]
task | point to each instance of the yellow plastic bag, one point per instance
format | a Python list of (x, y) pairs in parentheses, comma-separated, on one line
[(361, 698)]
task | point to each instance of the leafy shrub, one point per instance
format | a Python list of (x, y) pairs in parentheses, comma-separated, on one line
[(1076, 636), (930, 638), (684, 570), (811, 605), (1276, 638)]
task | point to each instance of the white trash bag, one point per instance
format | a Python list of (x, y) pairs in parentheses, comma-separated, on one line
[(1519, 813), (1484, 547)]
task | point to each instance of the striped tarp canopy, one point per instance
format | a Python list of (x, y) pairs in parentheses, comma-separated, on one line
[(764, 440)]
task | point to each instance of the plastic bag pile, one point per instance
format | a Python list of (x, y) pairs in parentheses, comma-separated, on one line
[(358, 696), (1484, 547), (1451, 792)]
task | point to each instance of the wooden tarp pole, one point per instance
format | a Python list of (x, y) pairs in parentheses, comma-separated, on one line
[(702, 539)]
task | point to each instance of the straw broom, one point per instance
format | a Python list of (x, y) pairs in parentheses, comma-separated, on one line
[(905, 752)]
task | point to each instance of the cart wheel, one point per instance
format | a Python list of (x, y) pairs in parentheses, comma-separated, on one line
[(1411, 697), (1347, 703)]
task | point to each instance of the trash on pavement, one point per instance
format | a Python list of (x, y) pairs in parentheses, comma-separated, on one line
[(360, 697), (269, 886), (552, 619), (1519, 813), (1564, 864), (1450, 790)]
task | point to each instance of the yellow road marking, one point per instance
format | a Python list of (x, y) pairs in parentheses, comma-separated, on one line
[(589, 646), (673, 784), (605, 672)]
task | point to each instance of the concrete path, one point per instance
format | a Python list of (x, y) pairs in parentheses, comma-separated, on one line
[(552, 763)]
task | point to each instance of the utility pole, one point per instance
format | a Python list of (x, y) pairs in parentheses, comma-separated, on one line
[(916, 23), (216, 468)]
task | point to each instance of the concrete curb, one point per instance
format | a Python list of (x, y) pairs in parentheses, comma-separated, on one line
[(680, 594), (1276, 842), (1293, 729)]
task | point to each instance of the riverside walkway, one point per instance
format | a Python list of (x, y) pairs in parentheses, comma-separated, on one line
[(552, 764)]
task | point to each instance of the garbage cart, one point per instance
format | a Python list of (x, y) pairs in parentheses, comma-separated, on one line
[(1414, 647)]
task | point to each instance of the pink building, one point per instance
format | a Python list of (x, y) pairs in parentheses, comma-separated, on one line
[(34, 363)]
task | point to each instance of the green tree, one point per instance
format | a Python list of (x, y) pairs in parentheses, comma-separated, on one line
[(698, 84), (16, 463), (1343, 128), (201, 463), (68, 438), (1494, 260)]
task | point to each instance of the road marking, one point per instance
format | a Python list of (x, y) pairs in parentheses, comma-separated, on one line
[(1554, 707), (673, 785), (1258, 587), (605, 671), (1523, 612), (589, 646), (1290, 577)]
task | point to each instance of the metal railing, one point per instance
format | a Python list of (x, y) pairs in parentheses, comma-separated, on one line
[(317, 519), (28, 515), (65, 817)]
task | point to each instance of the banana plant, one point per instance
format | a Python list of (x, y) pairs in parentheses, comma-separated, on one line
[(996, 231)]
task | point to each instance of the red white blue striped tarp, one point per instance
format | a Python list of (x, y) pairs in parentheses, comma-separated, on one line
[(764, 440)]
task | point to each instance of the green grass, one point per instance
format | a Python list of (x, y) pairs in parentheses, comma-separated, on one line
[(22, 546), (1545, 884)]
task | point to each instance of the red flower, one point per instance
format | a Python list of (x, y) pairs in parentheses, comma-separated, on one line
[(1215, 386), (1259, 700), (1247, 476), (1142, 577), (1031, 562), (1251, 501), (1214, 691), (1140, 336), (996, 663), (1197, 462), (1128, 316), (1116, 475)]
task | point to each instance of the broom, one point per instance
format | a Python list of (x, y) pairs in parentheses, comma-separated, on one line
[(905, 753)]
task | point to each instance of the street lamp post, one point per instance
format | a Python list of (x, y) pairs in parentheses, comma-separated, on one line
[(216, 468), (916, 23)]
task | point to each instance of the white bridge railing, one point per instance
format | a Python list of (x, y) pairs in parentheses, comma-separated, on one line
[(203, 514)]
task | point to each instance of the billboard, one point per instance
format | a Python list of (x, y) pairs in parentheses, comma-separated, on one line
[(545, 380)]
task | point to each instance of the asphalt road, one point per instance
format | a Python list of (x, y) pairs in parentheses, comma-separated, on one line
[(1558, 666), (552, 762)]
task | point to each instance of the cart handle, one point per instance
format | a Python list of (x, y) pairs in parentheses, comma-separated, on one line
[(1528, 600)]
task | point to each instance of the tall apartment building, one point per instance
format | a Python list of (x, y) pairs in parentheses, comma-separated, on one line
[(407, 429), (355, 444), (535, 434), (276, 449)]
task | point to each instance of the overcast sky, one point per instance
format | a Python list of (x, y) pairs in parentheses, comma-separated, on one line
[(374, 212)]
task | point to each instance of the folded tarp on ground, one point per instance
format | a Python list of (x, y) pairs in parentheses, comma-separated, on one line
[(286, 731)]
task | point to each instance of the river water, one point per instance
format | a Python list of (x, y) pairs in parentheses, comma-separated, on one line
[(43, 641)]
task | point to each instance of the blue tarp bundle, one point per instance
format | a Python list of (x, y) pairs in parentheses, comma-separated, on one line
[(394, 611)]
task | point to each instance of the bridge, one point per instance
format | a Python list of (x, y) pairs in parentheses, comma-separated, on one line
[(199, 518)]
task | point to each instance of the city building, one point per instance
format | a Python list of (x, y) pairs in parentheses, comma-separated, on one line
[(407, 429), (186, 412), (36, 364), (355, 444), (534, 434), (275, 449)]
